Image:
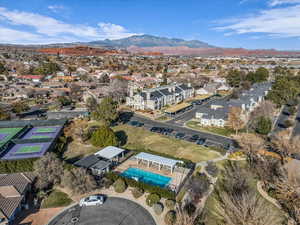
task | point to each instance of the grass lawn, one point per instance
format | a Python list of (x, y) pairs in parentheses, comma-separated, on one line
[(225, 131), (56, 199), (141, 139)]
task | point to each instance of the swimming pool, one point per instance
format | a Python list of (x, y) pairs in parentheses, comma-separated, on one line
[(146, 177)]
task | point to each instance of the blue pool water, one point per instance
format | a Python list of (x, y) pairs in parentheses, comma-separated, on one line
[(146, 177)]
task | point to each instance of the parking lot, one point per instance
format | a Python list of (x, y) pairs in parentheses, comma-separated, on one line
[(177, 131), (114, 211)]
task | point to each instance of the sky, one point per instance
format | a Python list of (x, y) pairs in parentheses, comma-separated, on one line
[(252, 24)]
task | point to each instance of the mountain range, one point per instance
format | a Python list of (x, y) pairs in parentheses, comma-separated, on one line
[(145, 44), (150, 41)]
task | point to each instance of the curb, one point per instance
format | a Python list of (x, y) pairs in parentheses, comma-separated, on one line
[(62, 211)]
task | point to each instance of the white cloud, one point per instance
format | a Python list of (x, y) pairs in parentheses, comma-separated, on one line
[(48, 28), (275, 22), (273, 3), (56, 8)]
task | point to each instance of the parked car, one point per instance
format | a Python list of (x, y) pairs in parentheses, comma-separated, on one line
[(92, 200), (136, 124), (201, 141), (194, 138), (180, 135)]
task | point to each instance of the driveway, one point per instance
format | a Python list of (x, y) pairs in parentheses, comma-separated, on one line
[(115, 211)]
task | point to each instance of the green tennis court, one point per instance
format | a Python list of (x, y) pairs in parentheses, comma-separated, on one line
[(45, 129), (28, 149), (7, 133), (39, 136)]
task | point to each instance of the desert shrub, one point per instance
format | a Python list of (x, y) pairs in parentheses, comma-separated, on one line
[(158, 208), (120, 186), (137, 192), (170, 217), (170, 204), (152, 199)]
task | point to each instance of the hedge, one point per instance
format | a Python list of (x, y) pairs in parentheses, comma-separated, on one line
[(16, 166), (162, 192)]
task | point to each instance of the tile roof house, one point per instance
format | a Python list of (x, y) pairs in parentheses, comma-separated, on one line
[(13, 190), (157, 98), (216, 113)]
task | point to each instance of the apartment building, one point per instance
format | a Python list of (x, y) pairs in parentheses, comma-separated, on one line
[(157, 98)]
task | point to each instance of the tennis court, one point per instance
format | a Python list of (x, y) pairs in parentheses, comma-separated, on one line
[(7, 133), (27, 150), (42, 132)]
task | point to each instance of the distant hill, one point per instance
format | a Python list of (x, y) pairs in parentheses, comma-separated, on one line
[(149, 41)]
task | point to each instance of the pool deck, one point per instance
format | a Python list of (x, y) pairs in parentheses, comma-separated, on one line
[(177, 176)]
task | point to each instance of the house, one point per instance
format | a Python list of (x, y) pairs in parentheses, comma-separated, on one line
[(94, 164), (14, 189), (157, 98), (216, 113)]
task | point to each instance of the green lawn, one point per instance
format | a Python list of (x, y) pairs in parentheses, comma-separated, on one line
[(140, 139), (56, 199), (217, 130)]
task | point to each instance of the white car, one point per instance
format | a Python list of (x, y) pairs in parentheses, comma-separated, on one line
[(92, 200)]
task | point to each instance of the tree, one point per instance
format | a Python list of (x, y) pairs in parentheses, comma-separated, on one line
[(291, 87), (152, 199), (4, 115), (263, 125), (49, 170), (120, 185), (285, 146), (234, 118), (20, 106), (106, 111), (79, 181), (64, 101), (234, 78), (247, 209), (170, 217), (91, 104), (250, 145), (198, 186), (104, 136)]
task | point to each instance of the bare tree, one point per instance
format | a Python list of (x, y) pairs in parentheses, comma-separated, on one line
[(245, 209), (250, 145), (49, 170), (79, 181), (285, 146), (235, 120)]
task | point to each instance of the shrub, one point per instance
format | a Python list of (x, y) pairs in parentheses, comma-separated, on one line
[(137, 192), (152, 199), (119, 186), (15, 166), (158, 208), (170, 204), (263, 125), (288, 123), (170, 217)]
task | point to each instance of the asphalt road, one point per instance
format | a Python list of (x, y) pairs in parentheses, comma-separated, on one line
[(114, 211), (296, 130), (220, 141), (280, 121)]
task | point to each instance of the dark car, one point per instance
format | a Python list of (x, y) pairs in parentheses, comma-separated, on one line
[(154, 129), (201, 141), (180, 135), (194, 138), (136, 124)]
